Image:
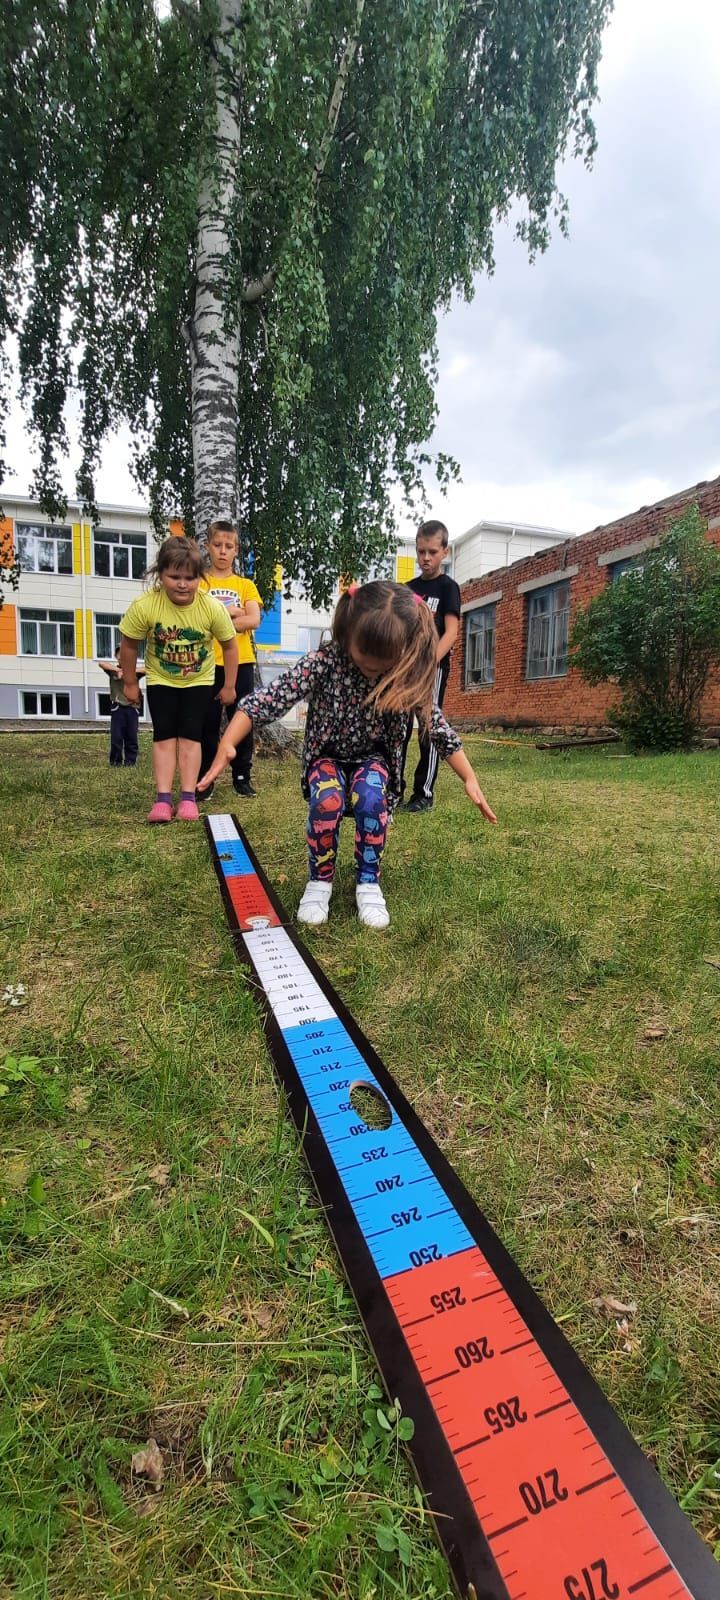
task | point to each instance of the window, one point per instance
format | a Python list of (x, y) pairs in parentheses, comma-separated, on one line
[(310, 639), (108, 636), (44, 703), (43, 549), (480, 646), (619, 568), (47, 633), (547, 644), (119, 555), (103, 706)]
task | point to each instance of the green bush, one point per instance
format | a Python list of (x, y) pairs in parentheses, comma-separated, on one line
[(655, 632)]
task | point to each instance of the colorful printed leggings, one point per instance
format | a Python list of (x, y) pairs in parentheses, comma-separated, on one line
[(363, 789)]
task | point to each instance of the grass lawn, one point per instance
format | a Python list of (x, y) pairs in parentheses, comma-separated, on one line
[(547, 996)]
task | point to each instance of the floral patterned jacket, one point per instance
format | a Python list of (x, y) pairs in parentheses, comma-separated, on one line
[(339, 723)]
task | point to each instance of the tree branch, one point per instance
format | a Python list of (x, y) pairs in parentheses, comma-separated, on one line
[(338, 94), (256, 288)]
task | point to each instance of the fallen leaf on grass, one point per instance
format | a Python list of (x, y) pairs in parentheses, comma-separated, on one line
[(159, 1175), (148, 1463), (263, 1315), (173, 1305), (629, 1342), (79, 1097), (611, 1308), (712, 961), (282, 877), (653, 1032)]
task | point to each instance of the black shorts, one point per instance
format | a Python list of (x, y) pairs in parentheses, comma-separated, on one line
[(178, 713)]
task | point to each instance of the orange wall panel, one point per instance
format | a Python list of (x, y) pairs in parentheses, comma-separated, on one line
[(8, 631), (6, 541)]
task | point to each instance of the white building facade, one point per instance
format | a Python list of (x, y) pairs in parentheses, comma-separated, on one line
[(76, 582)]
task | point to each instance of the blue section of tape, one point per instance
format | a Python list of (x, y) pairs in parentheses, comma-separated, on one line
[(233, 857), (405, 1216)]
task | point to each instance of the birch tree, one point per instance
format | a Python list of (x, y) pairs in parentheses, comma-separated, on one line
[(232, 226)]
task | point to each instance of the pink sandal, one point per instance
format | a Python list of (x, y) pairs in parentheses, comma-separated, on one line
[(160, 812), (187, 811)]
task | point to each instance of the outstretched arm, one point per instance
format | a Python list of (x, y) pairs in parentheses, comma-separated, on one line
[(237, 729), (460, 764)]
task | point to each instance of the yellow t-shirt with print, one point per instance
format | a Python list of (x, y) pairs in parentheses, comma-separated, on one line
[(230, 589), (179, 640)]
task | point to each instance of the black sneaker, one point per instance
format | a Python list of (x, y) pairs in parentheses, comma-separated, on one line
[(419, 802), (243, 786), (204, 794)]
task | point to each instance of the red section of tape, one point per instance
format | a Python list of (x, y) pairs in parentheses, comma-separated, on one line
[(250, 903), (559, 1521)]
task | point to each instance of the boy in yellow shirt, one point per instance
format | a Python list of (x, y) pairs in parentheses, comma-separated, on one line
[(242, 602)]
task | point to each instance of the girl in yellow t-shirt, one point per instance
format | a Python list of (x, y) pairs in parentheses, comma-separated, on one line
[(242, 601), (180, 627)]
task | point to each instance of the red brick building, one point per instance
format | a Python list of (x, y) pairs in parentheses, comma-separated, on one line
[(510, 668)]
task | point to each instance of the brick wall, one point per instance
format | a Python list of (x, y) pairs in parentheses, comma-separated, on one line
[(567, 702)]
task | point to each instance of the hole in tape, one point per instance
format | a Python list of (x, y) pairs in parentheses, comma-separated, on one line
[(370, 1104)]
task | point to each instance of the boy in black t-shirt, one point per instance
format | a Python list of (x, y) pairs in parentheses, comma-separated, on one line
[(442, 596)]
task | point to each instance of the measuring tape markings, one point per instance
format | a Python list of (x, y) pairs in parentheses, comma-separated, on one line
[(554, 1517)]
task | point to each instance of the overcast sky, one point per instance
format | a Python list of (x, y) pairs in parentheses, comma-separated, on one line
[(579, 388)]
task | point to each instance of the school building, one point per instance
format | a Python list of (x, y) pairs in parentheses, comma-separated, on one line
[(511, 670), (76, 582)]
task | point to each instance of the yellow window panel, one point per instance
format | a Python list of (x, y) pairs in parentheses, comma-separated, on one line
[(79, 642), (86, 542), (404, 568)]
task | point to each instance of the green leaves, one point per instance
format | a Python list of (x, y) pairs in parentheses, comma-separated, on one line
[(376, 149), (655, 631)]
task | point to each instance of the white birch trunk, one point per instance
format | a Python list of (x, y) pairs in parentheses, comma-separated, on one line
[(214, 331)]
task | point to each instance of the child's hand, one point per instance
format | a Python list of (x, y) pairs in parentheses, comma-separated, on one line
[(474, 793), (225, 752), (227, 696), (236, 611)]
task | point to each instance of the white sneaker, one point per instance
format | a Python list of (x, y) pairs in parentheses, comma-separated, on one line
[(372, 909), (315, 904)]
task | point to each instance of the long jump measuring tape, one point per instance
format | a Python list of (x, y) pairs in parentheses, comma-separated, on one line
[(537, 1490)]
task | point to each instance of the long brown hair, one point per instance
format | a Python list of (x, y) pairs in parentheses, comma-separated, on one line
[(389, 621)]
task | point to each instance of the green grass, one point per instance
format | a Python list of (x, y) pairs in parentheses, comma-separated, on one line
[(166, 1271)]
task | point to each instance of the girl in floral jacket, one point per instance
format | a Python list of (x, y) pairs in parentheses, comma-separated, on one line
[(361, 691)]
